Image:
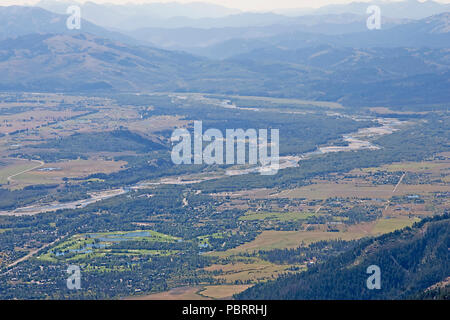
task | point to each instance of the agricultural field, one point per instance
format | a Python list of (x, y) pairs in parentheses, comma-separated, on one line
[(253, 270), (182, 293), (280, 216), (223, 291), (358, 189), (284, 101), (272, 239), (12, 168), (55, 172), (196, 293)]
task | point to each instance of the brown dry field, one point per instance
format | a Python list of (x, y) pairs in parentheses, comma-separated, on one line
[(384, 110), (9, 167), (158, 123), (322, 104), (389, 224), (432, 167), (414, 209), (327, 190), (225, 291), (184, 293), (272, 239), (32, 119), (254, 272), (70, 169)]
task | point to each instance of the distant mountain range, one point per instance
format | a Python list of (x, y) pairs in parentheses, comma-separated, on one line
[(203, 15), (193, 10), (224, 42), (413, 264), (132, 16), (357, 77), (407, 9), (195, 39), (407, 64), (403, 9), (350, 31), (20, 20)]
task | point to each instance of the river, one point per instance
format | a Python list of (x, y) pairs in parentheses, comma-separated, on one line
[(359, 140)]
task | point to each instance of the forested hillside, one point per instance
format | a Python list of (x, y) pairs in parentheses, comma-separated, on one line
[(411, 261)]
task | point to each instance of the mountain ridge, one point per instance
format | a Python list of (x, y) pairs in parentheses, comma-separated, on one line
[(23, 20)]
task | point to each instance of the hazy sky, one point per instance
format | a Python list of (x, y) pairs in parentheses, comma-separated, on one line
[(256, 5)]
